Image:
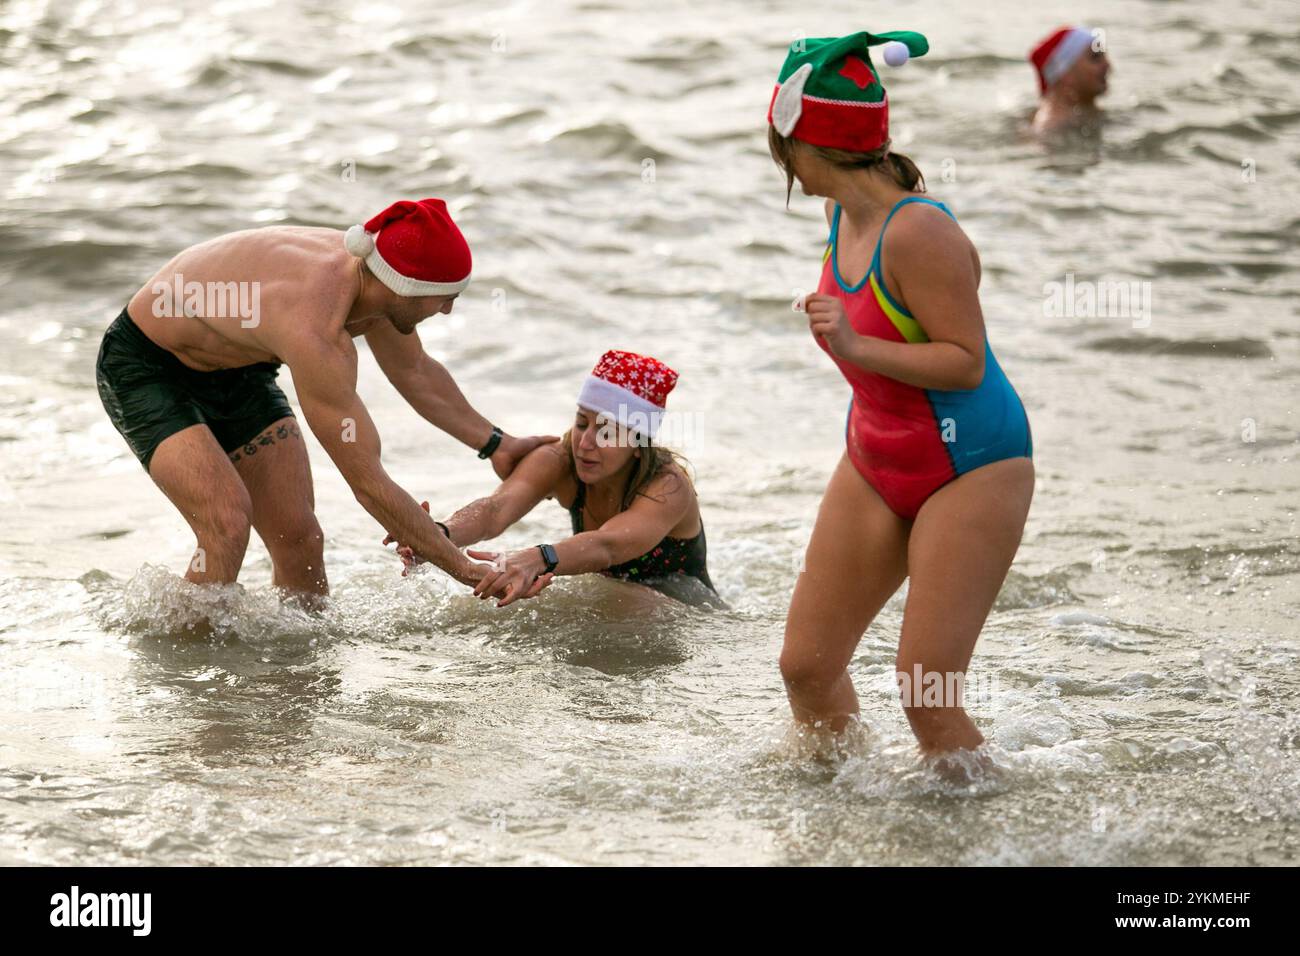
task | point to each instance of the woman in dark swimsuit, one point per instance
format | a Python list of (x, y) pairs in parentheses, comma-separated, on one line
[(634, 512)]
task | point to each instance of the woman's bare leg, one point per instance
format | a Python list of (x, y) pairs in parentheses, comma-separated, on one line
[(962, 545), (856, 559)]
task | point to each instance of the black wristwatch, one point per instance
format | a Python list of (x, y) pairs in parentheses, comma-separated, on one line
[(492, 443), (549, 557)]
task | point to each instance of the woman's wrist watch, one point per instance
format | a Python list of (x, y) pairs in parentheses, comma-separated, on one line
[(492, 443), (549, 557)]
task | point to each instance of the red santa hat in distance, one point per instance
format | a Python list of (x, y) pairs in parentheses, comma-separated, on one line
[(414, 248), (1056, 54), (630, 389)]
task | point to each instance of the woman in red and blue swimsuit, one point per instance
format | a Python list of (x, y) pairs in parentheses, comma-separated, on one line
[(907, 440), (936, 480)]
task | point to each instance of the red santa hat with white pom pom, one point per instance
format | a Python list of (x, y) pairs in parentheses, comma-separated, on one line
[(1057, 52), (414, 248), (631, 389)]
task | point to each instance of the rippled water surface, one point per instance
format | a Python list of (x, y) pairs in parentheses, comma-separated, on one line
[(607, 161)]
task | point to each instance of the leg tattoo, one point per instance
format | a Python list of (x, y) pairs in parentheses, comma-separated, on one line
[(283, 432)]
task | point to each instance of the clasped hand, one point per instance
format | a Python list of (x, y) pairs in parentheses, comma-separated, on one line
[(510, 578)]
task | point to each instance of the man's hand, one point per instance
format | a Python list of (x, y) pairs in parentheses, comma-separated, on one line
[(826, 318), (469, 572), (404, 551), (512, 450), (519, 575)]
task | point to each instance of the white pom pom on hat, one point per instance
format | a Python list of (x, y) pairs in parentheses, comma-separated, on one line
[(359, 242), (896, 54)]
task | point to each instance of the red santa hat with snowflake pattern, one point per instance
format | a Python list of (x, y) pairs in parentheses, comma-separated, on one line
[(1054, 56), (630, 389), (414, 248)]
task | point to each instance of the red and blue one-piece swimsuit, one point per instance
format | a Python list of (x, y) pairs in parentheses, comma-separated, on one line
[(906, 441)]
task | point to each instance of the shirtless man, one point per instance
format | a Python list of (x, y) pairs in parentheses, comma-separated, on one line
[(187, 375), (1072, 70)]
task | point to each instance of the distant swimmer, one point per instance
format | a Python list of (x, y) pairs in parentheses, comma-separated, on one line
[(936, 478), (187, 374), (1072, 69), (633, 509)]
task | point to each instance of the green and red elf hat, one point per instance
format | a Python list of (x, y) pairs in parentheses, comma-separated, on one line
[(829, 94)]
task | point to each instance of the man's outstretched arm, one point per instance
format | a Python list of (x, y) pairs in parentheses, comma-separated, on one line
[(429, 388), (325, 377)]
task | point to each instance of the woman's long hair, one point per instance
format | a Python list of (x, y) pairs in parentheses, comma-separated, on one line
[(902, 170)]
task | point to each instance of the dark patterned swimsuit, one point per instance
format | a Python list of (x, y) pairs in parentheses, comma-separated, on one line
[(670, 556)]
